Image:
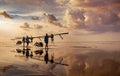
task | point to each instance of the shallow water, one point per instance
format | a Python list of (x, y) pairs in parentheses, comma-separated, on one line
[(93, 58)]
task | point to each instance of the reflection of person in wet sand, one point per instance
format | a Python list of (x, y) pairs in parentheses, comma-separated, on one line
[(46, 40), (23, 52), (46, 57), (31, 55), (52, 59), (27, 53)]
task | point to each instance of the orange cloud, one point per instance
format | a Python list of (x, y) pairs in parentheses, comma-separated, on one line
[(52, 19), (6, 15), (26, 25)]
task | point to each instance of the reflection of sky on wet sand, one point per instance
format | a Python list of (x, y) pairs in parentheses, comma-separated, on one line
[(84, 59)]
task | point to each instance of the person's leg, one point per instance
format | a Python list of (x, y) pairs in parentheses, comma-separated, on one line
[(47, 45), (27, 44)]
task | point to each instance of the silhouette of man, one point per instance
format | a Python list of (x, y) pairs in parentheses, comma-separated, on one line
[(23, 40), (31, 38), (46, 39), (27, 40)]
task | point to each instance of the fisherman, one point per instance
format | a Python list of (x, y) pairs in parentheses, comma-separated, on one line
[(46, 59), (52, 38), (31, 38), (46, 39), (27, 40), (23, 40)]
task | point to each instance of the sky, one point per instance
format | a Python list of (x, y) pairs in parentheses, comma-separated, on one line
[(85, 20)]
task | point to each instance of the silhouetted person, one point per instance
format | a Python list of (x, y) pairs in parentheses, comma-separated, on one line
[(46, 58), (46, 39), (27, 53), (23, 40), (52, 38), (31, 38), (27, 40)]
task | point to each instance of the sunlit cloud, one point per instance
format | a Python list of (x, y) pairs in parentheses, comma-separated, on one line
[(52, 19), (96, 16), (37, 26), (25, 25), (5, 15), (75, 18)]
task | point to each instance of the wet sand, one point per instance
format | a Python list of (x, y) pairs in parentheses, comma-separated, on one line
[(83, 58)]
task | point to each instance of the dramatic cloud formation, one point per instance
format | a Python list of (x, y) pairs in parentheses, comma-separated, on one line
[(52, 19), (75, 18), (6, 15), (96, 15)]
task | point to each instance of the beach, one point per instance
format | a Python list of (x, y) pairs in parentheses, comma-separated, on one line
[(92, 58)]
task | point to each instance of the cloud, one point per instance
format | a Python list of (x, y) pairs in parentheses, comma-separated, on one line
[(94, 3), (25, 25), (37, 26), (74, 18), (6, 15), (35, 18), (97, 16), (62, 2), (27, 6), (102, 22), (52, 19)]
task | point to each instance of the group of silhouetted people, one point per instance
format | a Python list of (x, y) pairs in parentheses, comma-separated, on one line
[(27, 40)]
